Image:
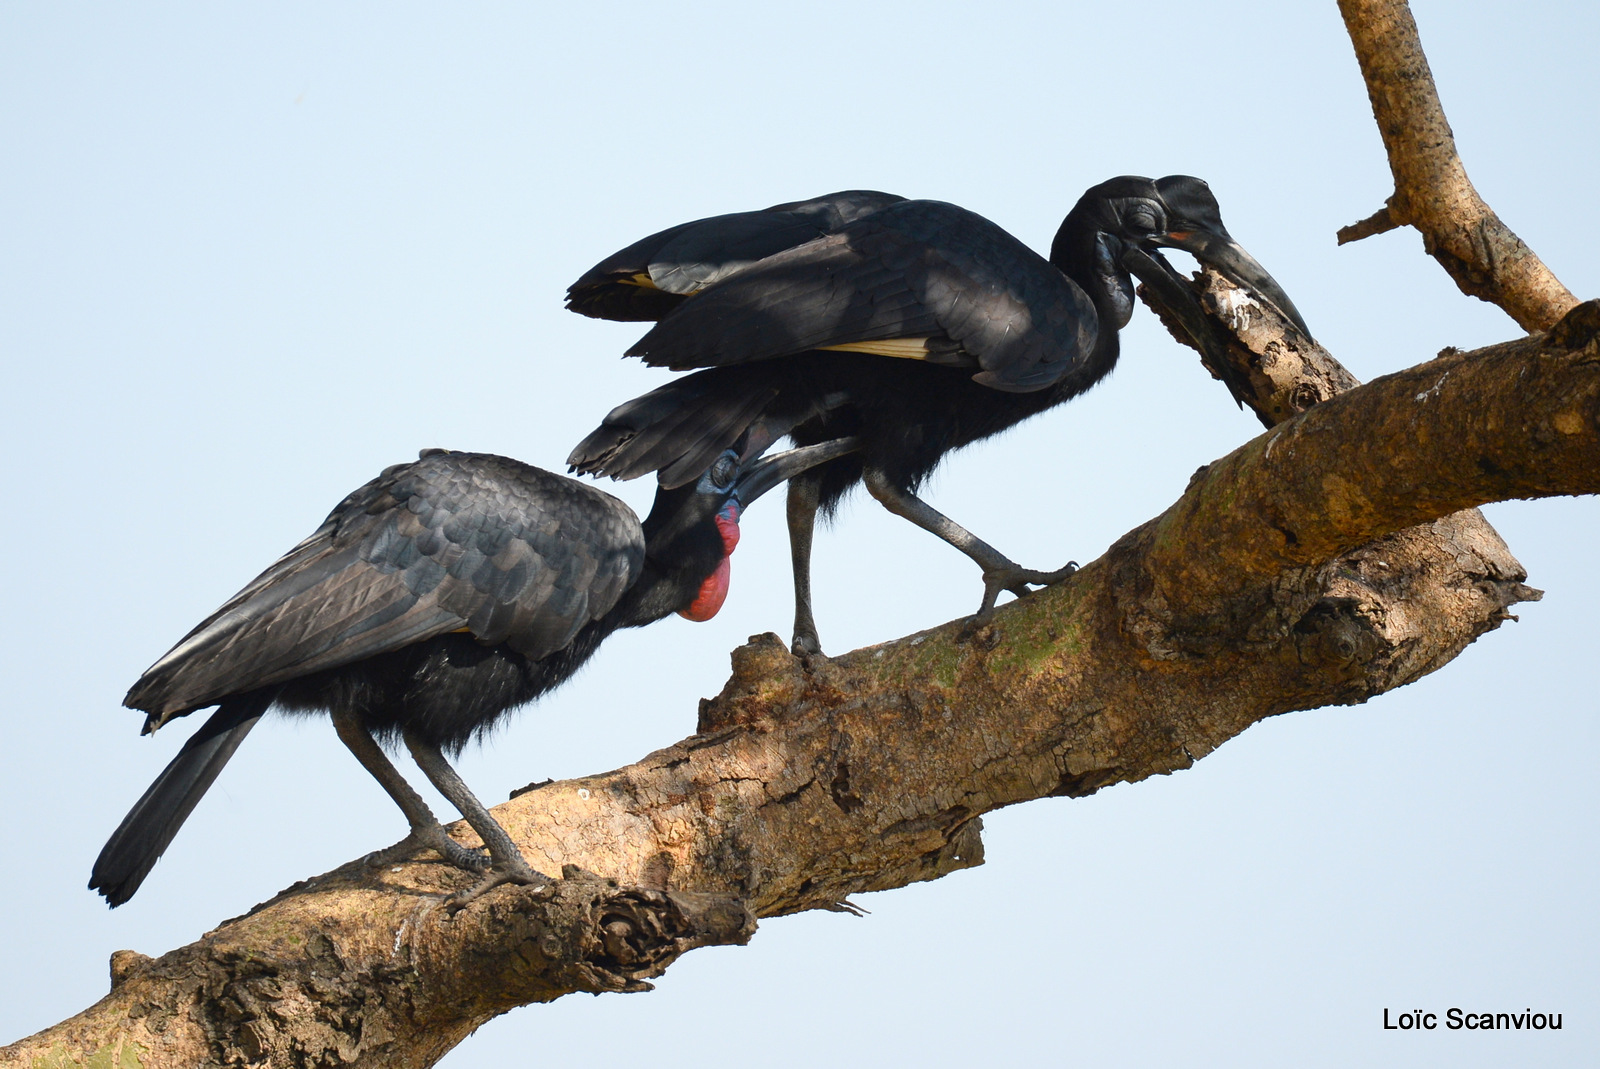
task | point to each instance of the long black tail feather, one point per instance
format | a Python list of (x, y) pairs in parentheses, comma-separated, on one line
[(678, 429), (144, 834)]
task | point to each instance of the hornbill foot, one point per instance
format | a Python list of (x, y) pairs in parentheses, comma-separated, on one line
[(435, 839), (515, 871), (1017, 580)]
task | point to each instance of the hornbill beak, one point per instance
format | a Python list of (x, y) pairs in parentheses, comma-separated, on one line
[(757, 477), (1173, 292), (1220, 251)]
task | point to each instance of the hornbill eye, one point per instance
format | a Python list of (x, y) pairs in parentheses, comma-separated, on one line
[(1141, 220), (724, 470)]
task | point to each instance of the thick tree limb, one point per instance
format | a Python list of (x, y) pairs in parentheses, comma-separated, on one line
[(1253, 595), (358, 968), (1432, 191)]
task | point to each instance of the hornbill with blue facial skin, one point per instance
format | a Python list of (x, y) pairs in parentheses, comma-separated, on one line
[(916, 326), (432, 601)]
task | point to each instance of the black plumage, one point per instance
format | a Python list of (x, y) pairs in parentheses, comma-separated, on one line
[(917, 326), (431, 602), (647, 279)]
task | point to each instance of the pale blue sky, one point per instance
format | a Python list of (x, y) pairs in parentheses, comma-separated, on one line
[(252, 257)]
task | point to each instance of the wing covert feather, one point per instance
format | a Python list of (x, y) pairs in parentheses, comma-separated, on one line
[(511, 552)]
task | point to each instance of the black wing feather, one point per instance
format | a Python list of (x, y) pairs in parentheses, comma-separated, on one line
[(836, 290), (511, 552), (913, 269), (686, 258)]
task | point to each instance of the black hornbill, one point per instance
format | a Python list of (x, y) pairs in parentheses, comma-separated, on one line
[(798, 311), (432, 601)]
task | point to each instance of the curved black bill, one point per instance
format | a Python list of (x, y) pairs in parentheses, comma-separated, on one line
[(1229, 257), (1174, 294), (1172, 291), (757, 478)]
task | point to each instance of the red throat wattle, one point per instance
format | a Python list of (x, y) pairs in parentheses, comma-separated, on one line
[(714, 591)]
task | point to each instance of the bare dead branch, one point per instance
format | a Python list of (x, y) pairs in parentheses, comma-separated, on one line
[(1432, 191), (1279, 370)]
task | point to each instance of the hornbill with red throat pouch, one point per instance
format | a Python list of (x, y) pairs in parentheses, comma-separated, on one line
[(432, 601), (915, 326)]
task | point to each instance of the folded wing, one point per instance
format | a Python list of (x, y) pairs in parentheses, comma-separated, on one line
[(919, 280), (652, 276), (512, 553)]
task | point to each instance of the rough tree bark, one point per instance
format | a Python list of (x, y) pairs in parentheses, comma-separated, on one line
[(1431, 189), (1332, 558)]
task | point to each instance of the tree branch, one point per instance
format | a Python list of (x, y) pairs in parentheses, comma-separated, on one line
[(1252, 595), (358, 967), (1432, 191), (1281, 372)]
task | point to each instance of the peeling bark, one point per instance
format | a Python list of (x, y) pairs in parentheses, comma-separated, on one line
[(349, 969), (1279, 371)]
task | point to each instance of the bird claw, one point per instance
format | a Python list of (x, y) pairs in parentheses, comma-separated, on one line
[(1018, 581), (518, 872)]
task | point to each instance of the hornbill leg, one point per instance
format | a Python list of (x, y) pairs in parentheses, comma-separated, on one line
[(508, 864), (804, 495), (999, 572), (425, 828)]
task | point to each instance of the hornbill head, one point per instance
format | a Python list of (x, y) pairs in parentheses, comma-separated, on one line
[(692, 529), (1118, 228), (1194, 224)]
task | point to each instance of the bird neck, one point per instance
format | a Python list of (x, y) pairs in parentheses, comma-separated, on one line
[(685, 568), (662, 590), (1089, 256), (658, 593)]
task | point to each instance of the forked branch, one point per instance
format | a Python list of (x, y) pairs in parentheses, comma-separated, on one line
[(1431, 189)]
